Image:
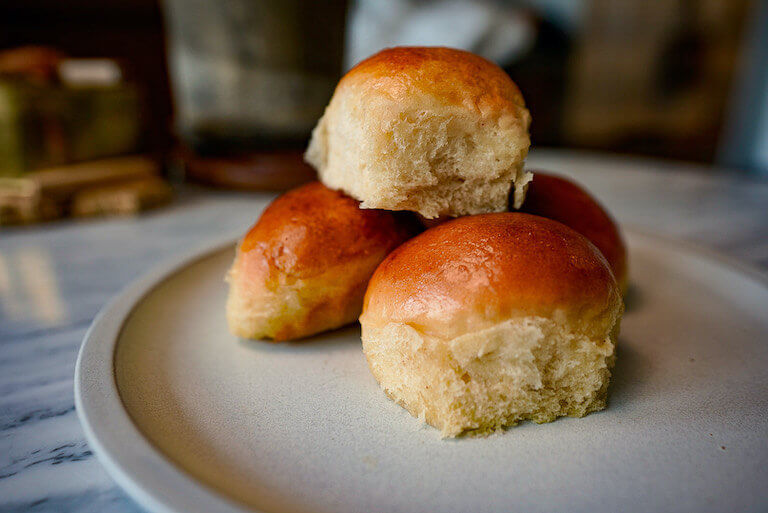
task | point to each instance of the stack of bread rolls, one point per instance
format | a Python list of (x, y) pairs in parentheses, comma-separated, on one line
[(487, 294)]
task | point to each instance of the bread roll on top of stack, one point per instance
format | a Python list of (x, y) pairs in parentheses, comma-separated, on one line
[(432, 130), (476, 323)]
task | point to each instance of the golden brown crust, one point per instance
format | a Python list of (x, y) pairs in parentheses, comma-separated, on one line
[(312, 228), (304, 266), (473, 272), (454, 76), (560, 199)]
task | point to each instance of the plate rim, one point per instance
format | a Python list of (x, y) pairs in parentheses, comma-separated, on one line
[(106, 423), (133, 461)]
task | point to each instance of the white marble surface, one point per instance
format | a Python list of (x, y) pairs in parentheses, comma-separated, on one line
[(55, 278)]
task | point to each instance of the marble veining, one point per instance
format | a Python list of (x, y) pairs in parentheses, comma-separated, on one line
[(55, 278)]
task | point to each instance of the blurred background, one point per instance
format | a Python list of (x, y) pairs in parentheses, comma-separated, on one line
[(102, 102)]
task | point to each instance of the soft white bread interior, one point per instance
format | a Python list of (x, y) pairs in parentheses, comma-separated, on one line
[(436, 131), (488, 320)]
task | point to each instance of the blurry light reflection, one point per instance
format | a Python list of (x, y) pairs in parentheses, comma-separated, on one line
[(28, 287)]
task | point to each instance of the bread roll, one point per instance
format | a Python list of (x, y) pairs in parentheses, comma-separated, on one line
[(487, 320), (560, 199), (436, 131), (303, 267)]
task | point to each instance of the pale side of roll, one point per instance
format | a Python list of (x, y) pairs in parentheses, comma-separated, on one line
[(488, 320), (437, 131)]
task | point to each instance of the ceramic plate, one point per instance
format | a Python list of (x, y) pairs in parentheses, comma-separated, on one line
[(188, 418)]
